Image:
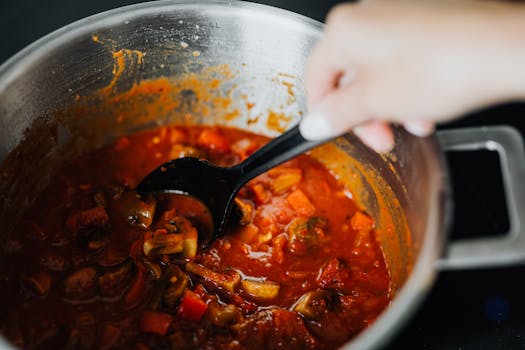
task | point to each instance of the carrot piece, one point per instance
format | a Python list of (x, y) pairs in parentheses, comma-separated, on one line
[(300, 203), (155, 322), (248, 233), (261, 195), (361, 221), (279, 244), (192, 307), (137, 289), (213, 140)]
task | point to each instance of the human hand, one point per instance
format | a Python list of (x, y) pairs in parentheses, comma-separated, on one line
[(411, 62)]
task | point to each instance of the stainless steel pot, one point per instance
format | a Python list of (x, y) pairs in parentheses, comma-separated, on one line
[(264, 49)]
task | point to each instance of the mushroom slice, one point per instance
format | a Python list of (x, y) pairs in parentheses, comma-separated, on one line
[(81, 284), (315, 303), (261, 290), (172, 243), (113, 282), (39, 283), (185, 242), (176, 281), (226, 281), (164, 244), (137, 210), (243, 211), (223, 316)]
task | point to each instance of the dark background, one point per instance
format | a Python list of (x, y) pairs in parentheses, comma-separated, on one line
[(475, 309)]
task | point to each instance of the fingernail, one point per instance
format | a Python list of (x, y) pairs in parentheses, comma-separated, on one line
[(421, 129), (314, 126), (373, 140)]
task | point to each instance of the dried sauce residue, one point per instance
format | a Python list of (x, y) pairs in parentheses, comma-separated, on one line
[(122, 59), (278, 121)]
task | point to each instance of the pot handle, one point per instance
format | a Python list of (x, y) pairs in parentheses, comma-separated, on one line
[(494, 251)]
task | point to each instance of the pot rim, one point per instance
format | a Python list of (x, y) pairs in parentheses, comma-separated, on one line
[(424, 271), (11, 68)]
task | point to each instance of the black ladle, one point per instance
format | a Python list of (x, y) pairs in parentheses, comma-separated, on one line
[(216, 186)]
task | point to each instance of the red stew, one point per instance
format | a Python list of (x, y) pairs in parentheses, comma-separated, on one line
[(93, 265)]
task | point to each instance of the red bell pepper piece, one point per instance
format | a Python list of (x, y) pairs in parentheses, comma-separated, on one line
[(192, 307), (155, 322), (137, 289)]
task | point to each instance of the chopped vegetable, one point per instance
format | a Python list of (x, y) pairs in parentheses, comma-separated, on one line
[(261, 291), (314, 304), (192, 307), (333, 274), (305, 234), (97, 244), (243, 210), (136, 210), (226, 281), (94, 217), (164, 244), (177, 224), (244, 147), (247, 233), (286, 181), (155, 322), (278, 244), (181, 151), (113, 282), (100, 198), (138, 288), (185, 242), (35, 230), (81, 284), (172, 244), (300, 203), (154, 268), (176, 281), (222, 316), (361, 221), (110, 336), (261, 195), (39, 283), (214, 140)]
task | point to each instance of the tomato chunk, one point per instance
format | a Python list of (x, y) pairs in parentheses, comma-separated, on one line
[(155, 322), (214, 140), (192, 307), (137, 289), (300, 203)]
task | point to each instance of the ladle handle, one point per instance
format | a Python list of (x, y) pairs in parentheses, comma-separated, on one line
[(280, 149)]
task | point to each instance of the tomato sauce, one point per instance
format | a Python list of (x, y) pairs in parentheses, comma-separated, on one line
[(94, 265)]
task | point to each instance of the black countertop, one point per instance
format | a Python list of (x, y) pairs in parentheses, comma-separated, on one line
[(473, 309)]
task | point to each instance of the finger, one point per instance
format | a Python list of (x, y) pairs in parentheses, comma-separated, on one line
[(323, 72), (336, 114), (421, 128), (377, 135)]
